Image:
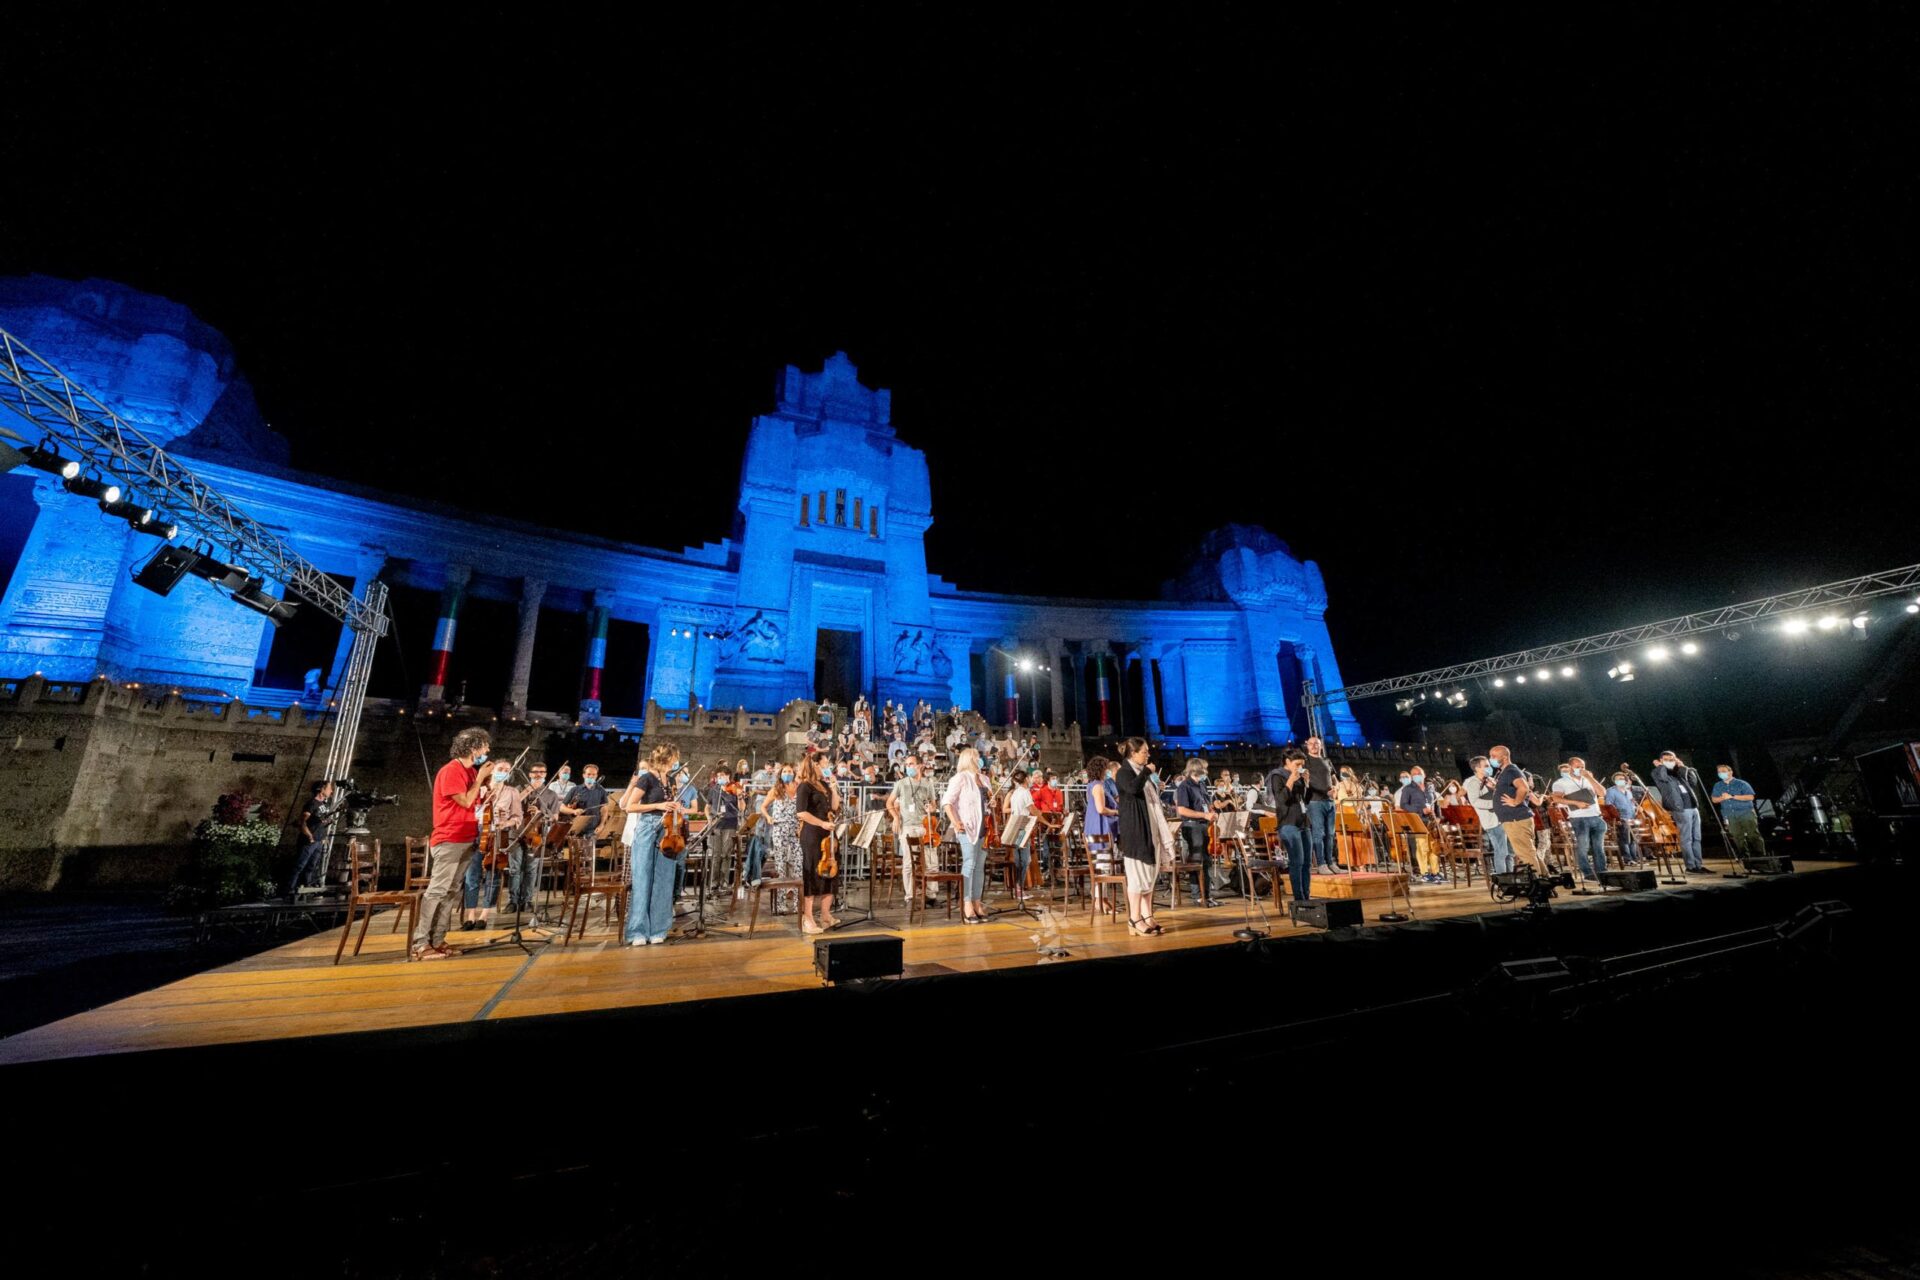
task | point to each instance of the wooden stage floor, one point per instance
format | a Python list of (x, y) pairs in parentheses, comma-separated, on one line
[(296, 990)]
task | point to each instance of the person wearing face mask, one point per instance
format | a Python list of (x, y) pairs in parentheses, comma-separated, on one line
[(504, 810), (563, 784), (538, 807), (723, 806), (908, 804), (1479, 793), (1133, 832), (780, 807), (1289, 788), (1194, 808), (650, 896), (1048, 804), (1682, 803), (1320, 838), (1620, 795), (1583, 817), (1413, 797), (688, 795), (585, 806), (1513, 804), (457, 788), (1735, 797)]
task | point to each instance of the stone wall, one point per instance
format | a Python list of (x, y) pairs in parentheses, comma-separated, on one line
[(106, 783)]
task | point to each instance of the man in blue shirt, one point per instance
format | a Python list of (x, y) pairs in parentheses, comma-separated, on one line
[(1677, 795), (1620, 796), (1195, 807), (587, 800), (1735, 797)]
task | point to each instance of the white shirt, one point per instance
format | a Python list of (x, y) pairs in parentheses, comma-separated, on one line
[(1569, 785), (1019, 803), (1480, 795)]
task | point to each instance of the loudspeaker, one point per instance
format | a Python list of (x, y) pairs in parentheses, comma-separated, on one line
[(1627, 879), (168, 566), (1771, 865), (1329, 913), (843, 959)]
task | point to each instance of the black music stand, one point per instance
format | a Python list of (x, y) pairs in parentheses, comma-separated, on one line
[(862, 840), (1021, 827)]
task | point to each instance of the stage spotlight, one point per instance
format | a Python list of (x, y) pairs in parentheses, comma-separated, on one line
[(1519, 679), (1626, 677), (1026, 664), (1612, 672), (1544, 674), (221, 575), (1499, 683), (1569, 671), (143, 519), (1794, 626), (168, 566), (1689, 647), (1658, 653), (1625, 667), (49, 461), (88, 487), (254, 595), (1913, 608), (1860, 620), (1829, 622)]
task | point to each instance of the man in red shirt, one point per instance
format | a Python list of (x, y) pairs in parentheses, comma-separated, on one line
[(457, 788), (1047, 803)]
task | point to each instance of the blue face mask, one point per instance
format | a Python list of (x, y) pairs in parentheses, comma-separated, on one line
[(501, 775), (1405, 781), (786, 777), (1725, 776), (480, 759)]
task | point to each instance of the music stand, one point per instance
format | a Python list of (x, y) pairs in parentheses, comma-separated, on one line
[(1236, 825), (863, 840), (1017, 830)]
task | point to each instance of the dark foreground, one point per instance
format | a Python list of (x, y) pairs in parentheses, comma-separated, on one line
[(1386, 1102)]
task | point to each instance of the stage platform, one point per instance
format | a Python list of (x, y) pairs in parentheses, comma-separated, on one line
[(297, 992)]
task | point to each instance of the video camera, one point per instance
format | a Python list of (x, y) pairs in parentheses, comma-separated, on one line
[(359, 803)]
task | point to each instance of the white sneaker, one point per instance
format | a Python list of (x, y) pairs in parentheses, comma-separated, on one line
[(638, 942)]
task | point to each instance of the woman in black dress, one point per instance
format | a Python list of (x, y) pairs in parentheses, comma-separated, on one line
[(817, 800), (1135, 836)]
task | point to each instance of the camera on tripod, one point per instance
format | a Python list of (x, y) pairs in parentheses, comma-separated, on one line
[(360, 803), (1537, 889)]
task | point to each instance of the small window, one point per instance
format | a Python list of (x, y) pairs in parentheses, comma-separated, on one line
[(252, 757), (820, 516), (840, 507), (803, 508), (873, 522), (858, 519)]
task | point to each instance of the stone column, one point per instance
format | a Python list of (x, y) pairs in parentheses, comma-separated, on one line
[(1054, 670), (1146, 651), (452, 596), (1102, 712), (532, 592)]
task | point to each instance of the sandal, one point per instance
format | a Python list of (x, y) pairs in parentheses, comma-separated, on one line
[(1134, 927), (1152, 925)]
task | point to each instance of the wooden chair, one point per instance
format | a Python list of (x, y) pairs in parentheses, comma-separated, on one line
[(772, 887), (364, 894), (414, 876), (1070, 857), (1458, 845), (586, 879), (883, 859), (949, 874), (1103, 868)]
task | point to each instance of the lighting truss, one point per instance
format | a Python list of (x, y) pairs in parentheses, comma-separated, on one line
[(57, 408), (1891, 582)]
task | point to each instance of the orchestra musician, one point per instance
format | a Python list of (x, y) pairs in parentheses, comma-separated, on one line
[(1620, 795), (483, 882), (1019, 802), (1048, 805), (816, 801), (457, 788), (1479, 792), (908, 804), (650, 902), (1288, 786), (1413, 797), (1195, 810), (1513, 804), (1589, 828), (1678, 796), (1736, 796), (723, 825), (965, 801), (538, 804), (588, 801)]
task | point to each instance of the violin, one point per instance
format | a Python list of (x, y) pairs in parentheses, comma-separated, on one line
[(673, 834), (828, 866)]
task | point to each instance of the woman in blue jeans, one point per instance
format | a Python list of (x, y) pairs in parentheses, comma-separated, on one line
[(965, 803), (650, 904)]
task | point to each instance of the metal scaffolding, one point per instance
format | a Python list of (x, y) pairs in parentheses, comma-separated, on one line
[(1865, 587), (62, 413)]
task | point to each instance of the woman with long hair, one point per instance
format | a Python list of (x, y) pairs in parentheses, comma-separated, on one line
[(780, 812), (815, 801), (1134, 829), (650, 904), (965, 801)]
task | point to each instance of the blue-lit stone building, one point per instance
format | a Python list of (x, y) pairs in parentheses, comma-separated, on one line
[(823, 589)]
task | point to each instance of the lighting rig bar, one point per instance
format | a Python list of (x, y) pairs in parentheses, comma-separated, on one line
[(60, 411), (1865, 587)]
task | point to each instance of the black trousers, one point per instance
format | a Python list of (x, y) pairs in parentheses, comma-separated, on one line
[(1195, 834)]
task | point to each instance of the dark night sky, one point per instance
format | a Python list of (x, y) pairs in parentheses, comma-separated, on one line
[(1638, 295)]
